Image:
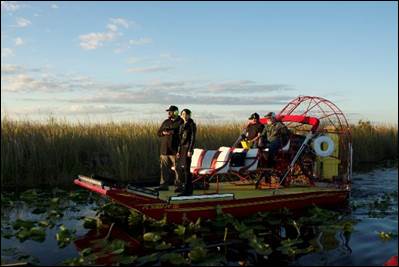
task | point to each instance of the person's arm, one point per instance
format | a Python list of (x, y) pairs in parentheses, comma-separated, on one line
[(164, 129), (255, 138), (264, 135), (161, 130), (192, 140)]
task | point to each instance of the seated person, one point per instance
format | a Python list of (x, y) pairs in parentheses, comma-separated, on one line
[(276, 135), (252, 132)]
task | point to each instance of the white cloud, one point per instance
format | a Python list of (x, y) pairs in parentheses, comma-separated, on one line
[(54, 6), (133, 60), (149, 69), (169, 56), (17, 69), (9, 5), (120, 22), (18, 78), (112, 27), (22, 22), (141, 41), (19, 41), (8, 69), (26, 81), (93, 40), (245, 86), (159, 96), (82, 109), (6, 52)]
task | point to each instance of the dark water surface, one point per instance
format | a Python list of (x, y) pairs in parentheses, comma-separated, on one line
[(372, 210)]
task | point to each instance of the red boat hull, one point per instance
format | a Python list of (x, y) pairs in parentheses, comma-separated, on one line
[(178, 212)]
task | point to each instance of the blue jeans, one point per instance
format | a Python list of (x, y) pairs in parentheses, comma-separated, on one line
[(274, 147)]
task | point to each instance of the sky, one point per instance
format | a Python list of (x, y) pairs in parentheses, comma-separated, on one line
[(128, 61)]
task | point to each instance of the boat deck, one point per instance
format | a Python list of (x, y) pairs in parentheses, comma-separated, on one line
[(246, 191)]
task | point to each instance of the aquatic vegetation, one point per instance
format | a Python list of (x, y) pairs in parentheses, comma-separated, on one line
[(151, 237), (383, 205), (65, 236), (173, 258), (262, 239), (27, 229), (387, 236), (17, 255), (91, 223)]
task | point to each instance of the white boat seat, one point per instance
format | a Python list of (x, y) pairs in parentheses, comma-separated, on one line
[(222, 161), (205, 164), (196, 159)]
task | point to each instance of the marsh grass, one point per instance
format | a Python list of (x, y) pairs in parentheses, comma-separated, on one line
[(54, 152), (373, 144)]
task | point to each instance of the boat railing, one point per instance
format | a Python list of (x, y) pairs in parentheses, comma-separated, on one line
[(142, 190), (225, 196)]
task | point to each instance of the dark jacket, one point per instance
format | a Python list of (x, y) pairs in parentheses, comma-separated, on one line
[(276, 131), (170, 143), (187, 133), (253, 130)]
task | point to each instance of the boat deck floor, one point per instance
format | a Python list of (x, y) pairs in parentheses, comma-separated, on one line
[(247, 191)]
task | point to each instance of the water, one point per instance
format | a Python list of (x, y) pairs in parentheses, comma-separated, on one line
[(365, 248), (372, 209)]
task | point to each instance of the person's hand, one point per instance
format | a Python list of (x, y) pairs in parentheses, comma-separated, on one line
[(177, 155), (189, 154), (166, 133)]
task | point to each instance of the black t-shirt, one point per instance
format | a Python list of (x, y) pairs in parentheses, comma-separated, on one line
[(253, 130)]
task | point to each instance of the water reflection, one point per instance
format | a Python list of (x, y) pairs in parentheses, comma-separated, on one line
[(349, 236)]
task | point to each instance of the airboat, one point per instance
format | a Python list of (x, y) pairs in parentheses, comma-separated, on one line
[(313, 168)]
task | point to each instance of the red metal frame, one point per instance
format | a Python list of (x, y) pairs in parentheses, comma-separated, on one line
[(296, 118), (328, 114), (313, 107)]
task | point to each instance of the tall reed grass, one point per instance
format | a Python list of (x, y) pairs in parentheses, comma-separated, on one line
[(373, 144), (52, 153)]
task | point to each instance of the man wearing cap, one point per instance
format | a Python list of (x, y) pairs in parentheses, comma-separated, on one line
[(276, 134), (252, 131), (169, 134)]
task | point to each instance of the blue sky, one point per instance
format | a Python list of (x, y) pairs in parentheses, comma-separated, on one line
[(101, 61)]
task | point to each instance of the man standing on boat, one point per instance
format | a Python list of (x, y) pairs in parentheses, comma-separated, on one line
[(169, 134), (187, 133), (276, 135)]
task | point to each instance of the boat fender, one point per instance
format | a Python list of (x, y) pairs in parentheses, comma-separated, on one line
[(317, 146)]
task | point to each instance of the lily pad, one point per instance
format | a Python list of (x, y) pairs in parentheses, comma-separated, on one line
[(64, 236), (198, 254), (90, 223), (39, 210), (180, 230), (27, 224), (151, 237), (173, 258)]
